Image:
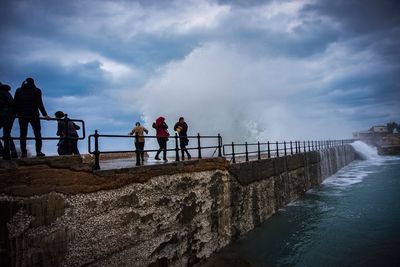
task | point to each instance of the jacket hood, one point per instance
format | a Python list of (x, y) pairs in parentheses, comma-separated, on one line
[(160, 120)]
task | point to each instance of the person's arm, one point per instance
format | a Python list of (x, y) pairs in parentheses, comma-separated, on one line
[(145, 130), (176, 126), (40, 103), (60, 128), (165, 126)]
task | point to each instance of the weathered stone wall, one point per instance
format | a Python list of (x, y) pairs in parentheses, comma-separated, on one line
[(173, 215)]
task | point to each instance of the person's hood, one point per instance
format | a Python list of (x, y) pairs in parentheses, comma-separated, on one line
[(160, 120)]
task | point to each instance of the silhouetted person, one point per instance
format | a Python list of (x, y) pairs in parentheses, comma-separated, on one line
[(181, 127), (28, 101), (67, 130), (139, 131), (7, 116), (162, 137)]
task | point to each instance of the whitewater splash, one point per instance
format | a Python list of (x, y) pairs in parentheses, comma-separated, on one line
[(356, 171), (365, 151)]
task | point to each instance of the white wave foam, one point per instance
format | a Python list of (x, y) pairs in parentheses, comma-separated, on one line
[(365, 151)]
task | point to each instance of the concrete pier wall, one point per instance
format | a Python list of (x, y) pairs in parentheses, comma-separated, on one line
[(60, 213)]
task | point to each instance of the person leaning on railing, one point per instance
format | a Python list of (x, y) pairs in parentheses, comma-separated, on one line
[(162, 137), (6, 121), (139, 131), (181, 128), (67, 130), (28, 101)]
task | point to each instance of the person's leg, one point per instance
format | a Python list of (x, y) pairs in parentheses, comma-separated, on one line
[(7, 138), (23, 131), (164, 148), (141, 147), (187, 152), (182, 152), (159, 149), (13, 149), (35, 123), (75, 149)]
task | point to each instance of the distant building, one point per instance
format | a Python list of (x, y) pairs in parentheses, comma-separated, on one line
[(379, 129), (374, 130)]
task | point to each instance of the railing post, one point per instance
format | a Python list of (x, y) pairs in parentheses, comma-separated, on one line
[(304, 145), (295, 144), (277, 149), (137, 150), (219, 145), (233, 153), (284, 147), (258, 150), (198, 145), (268, 150), (247, 152), (291, 148), (308, 144), (312, 145), (176, 147), (96, 151)]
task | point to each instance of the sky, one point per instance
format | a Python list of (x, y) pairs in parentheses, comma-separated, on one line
[(250, 70)]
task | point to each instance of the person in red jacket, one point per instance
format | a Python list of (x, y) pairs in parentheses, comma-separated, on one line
[(162, 137)]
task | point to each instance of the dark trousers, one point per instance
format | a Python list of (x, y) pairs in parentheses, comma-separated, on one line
[(140, 147), (68, 146), (6, 123), (162, 142), (23, 129), (184, 149)]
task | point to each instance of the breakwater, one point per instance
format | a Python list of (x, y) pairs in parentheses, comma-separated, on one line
[(60, 213)]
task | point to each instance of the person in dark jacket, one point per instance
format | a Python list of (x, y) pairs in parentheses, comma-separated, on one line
[(162, 137), (6, 121), (67, 130), (28, 101), (181, 128)]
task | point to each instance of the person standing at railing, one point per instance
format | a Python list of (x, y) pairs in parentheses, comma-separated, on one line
[(28, 102), (139, 131), (181, 128), (162, 137), (7, 115), (67, 130)]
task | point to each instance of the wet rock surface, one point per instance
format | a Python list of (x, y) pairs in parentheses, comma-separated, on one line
[(171, 215)]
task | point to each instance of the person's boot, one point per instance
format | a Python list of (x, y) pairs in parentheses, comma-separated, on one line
[(183, 156), (24, 155), (156, 157), (40, 154), (189, 156)]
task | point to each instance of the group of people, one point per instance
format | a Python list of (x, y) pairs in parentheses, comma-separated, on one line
[(162, 135), (26, 104)]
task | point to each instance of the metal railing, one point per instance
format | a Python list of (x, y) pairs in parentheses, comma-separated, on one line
[(277, 149), (199, 148), (65, 119)]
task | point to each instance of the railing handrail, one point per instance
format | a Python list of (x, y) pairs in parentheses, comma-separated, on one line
[(96, 152), (289, 147), (83, 128)]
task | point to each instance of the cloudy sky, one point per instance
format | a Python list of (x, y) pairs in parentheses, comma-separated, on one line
[(268, 70)]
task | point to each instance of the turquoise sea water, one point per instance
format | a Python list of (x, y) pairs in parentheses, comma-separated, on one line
[(352, 219)]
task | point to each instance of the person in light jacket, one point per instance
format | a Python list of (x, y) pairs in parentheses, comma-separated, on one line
[(139, 131)]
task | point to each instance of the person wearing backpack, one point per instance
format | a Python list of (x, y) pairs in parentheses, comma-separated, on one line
[(67, 130)]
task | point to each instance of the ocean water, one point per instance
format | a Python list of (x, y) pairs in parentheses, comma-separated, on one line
[(352, 219)]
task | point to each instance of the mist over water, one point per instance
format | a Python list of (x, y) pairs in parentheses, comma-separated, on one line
[(350, 220)]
